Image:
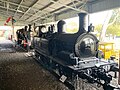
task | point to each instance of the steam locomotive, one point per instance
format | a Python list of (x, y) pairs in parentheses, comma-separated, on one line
[(73, 55)]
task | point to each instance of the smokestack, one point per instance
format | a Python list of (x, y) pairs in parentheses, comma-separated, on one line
[(82, 22), (60, 25)]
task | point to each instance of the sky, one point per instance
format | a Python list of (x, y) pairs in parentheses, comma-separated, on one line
[(98, 18), (95, 18)]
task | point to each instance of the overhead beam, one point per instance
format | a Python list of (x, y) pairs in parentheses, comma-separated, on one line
[(25, 13), (18, 7), (26, 7), (41, 17), (78, 10), (23, 6), (28, 10), (13, 3), (56, 1), (41, 10), (7, 6), (70, 5), (36, 14), (4, 15), (13, 10), (102, 5), (75, 12)]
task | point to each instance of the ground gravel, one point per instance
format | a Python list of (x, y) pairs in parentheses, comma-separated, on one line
[(18, 72)]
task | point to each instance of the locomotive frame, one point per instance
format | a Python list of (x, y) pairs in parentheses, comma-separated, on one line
[(73, 56)]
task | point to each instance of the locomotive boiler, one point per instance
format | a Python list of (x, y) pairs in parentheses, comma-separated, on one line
[(73, 55)]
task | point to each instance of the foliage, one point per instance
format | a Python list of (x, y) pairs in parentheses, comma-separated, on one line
[(112, 29), (98, 28), (113, 26), (72, 27), (116, 12)]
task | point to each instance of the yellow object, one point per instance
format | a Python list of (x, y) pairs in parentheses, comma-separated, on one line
[(107, 48)]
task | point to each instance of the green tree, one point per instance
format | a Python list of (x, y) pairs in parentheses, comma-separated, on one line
[(98, 28), (111, 24), (114, 30)]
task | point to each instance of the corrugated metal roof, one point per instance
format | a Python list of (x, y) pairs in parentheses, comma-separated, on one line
[(30, 10)]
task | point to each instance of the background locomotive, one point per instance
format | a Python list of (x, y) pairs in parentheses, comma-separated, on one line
[(73, 55)]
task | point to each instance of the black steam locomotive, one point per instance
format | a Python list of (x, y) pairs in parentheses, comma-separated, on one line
[(71, 55)]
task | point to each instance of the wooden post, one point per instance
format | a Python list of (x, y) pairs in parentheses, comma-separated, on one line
[(12, 29)]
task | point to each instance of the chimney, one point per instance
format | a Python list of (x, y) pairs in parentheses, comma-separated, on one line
[(82, 22)]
